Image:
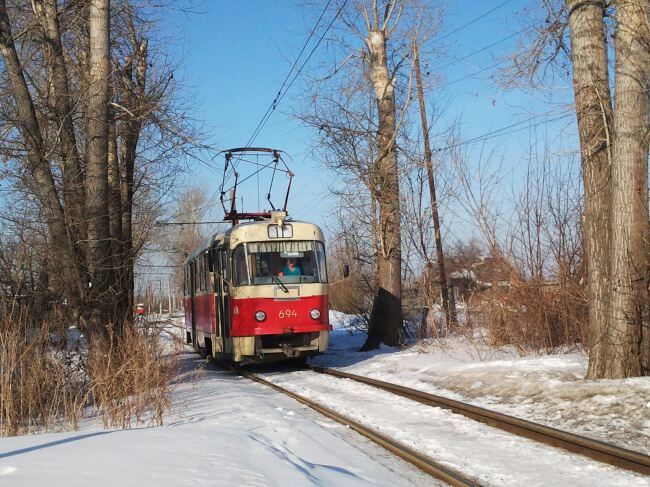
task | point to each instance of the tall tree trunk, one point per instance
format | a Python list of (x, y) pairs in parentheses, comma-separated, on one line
[(97, 165), (42, 183), (386, 316), (594, 114), (72, 171), (134, 84), (121, 312), (629, 209)]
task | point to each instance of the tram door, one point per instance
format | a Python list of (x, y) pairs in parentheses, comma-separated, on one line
[(192, 301), (223, 303), (216, 272)]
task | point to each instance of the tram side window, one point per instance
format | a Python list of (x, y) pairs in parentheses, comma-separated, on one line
[(184, 281), (202, 260), (206, 267), (320, 261), (224, 264), (199, 274), (240, 266), (188, 283)]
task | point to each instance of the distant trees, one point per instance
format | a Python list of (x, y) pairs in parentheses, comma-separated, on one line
[(89, 127), (183, 236)]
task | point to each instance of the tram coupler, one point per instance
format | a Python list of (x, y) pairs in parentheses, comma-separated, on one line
[(289, 351)]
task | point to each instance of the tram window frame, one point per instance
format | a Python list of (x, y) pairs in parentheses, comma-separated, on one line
[(264, 265)]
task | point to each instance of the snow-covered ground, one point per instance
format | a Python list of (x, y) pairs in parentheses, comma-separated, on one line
[(548, 389), (227, 430)]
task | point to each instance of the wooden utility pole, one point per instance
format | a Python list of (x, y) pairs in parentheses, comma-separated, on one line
[(450, 311)]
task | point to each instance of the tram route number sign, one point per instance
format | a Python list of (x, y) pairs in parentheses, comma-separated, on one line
[(287, 313)]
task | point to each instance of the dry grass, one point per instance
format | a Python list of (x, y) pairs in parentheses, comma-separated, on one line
[(535, 317), (46, 383), (129, 378)]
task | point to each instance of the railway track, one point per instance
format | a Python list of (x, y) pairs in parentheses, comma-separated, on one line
[(423, 462), (597, 450)]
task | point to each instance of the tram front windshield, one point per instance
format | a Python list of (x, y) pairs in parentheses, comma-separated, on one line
[(288, 262)]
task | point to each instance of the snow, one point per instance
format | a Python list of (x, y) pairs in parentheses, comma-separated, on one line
[(548, 389), (226, 429)]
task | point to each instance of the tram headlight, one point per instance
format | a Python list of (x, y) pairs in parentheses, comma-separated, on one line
[(260, 315), (315, 313)]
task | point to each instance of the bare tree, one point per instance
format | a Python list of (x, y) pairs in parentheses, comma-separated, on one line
[(630, 353), (614, 150), (96, 148), (359, 110), (97, 162), (42, 183), (594, 112), (185, 234), (386, 317)]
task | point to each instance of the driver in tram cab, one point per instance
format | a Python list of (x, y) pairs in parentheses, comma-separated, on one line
[(291, 269)]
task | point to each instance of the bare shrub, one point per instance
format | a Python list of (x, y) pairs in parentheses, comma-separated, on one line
[(535, 316), (47, 382), (129, 377), (38, 388)]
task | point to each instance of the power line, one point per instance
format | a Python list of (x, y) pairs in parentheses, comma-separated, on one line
[(471, 75), (489, 135), (281, 94), (159, 266), (457, 60), (505, 130), (277, 96), (473, 20)]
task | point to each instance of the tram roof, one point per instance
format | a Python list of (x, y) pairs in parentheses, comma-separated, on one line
[(256, 231)]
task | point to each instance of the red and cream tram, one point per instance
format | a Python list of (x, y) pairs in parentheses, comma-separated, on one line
[(258, 292)]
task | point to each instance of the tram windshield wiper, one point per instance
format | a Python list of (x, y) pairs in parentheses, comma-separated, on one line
[(280, 283)]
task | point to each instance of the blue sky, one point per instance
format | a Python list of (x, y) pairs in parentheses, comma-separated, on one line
[(234, 55)]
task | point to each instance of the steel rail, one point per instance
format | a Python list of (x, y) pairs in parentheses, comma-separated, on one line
[(594, 449), (413, 457)]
